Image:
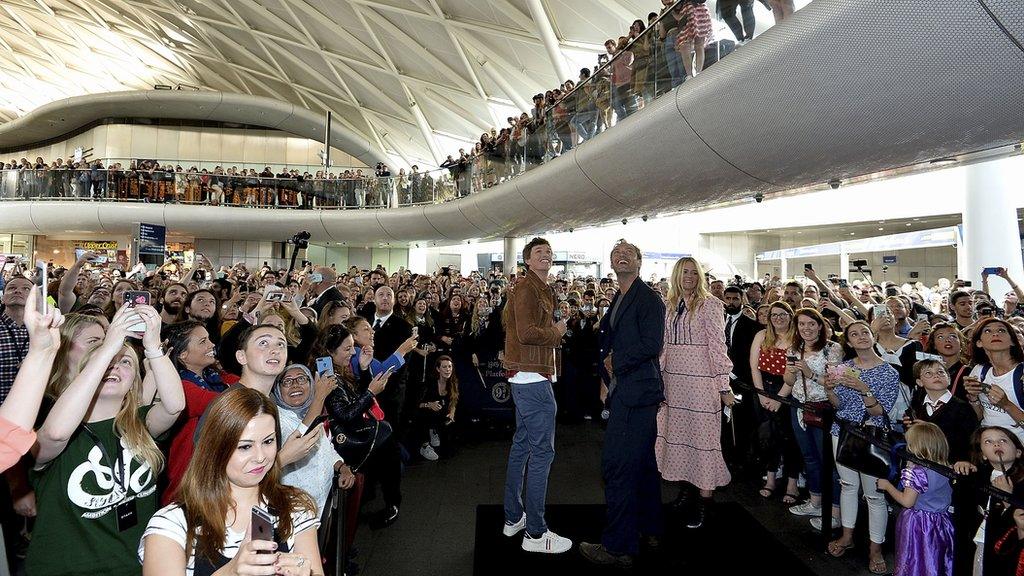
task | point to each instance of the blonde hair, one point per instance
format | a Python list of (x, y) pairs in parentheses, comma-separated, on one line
[(127, 424), (675, 289), (60, 376), (926, 440), (291, 330)]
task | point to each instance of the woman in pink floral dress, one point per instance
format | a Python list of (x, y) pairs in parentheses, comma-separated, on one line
[(695, 367)]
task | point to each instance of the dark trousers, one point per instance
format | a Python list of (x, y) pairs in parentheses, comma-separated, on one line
[(385, 466), (632, 484), (743, 31)]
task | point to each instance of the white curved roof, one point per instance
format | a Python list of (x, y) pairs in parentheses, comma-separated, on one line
[(366, 60)]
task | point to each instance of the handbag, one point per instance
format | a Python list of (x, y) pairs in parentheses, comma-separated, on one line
[(811, 414), (857, 452), (360, 440)]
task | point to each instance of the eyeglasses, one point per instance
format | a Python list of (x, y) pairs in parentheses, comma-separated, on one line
[(296, 381), (780, 315)]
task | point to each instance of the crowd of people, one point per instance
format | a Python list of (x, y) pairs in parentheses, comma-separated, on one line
[(657, 53), (150, 181), (213, 391)]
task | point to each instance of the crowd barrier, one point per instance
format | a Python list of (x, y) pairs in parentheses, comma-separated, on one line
[(961, 514)]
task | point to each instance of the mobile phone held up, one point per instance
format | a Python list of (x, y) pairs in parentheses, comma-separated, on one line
[(316, 424), (135, 298), (262, 528), (992, 271), (275, 296), (324, 366), (42, 284)]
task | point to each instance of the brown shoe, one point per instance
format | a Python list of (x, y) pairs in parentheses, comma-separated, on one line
[(598, 554)]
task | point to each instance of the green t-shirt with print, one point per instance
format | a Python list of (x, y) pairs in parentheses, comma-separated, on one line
[(76, 530)]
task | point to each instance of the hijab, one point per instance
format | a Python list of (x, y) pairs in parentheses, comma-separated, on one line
[(278, 396)]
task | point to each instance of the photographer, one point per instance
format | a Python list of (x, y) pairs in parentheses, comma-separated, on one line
[(993, 383)]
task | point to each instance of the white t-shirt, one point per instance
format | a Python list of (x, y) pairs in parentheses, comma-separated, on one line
[(170, 522), (994, 415)]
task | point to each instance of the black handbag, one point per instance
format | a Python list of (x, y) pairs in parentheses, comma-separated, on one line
[(857, 452), (358, 443)]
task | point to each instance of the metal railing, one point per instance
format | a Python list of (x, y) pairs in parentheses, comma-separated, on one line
[(229, 190), (647, 67)]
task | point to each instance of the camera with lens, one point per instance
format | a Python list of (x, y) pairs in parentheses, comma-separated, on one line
[(300, 240)]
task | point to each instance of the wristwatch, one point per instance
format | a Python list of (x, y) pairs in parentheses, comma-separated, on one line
[(868, 394)]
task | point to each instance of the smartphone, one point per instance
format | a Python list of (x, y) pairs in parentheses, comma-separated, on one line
[(134, 298), (316, 424), (985, 387), (262, 527), (42, 284), (879, 310), (390, 370), (791, 359), (316, 277), (416, 332), (967, 283), (808, 267), (78, 253), (274, 296), (992, 271), (324, 366), (844, 283), (100, 260)]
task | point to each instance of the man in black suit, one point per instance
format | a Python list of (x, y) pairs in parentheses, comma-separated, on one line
[(632, 335), (390, 331), (324, 290), (737, 434)]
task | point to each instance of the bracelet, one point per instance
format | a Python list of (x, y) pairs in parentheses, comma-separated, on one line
[(154, 354), (873, 405)]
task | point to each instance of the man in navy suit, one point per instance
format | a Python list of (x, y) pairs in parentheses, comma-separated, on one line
[(632, 334)]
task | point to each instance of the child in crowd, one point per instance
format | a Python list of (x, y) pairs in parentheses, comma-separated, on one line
[(996, 454), (924, 530)]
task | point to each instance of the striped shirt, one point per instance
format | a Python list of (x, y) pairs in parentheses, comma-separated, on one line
[(169, 522)]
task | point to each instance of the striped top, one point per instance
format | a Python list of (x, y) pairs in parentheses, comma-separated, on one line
[(169, 522)]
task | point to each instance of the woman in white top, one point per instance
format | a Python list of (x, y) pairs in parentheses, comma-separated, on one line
[(234, 470), (806, 377), (991, 390), (300, 402)]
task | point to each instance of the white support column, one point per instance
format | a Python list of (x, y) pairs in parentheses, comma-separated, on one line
[(426, 131), (991, 232), (783, 269), (547, 34), (844, 262), (511, 255)]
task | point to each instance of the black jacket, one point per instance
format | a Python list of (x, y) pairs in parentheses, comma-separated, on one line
[(635, 345), (739, 349), (330, 295)]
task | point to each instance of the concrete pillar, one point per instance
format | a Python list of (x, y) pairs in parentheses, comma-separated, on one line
[(512, 247), (844, 263), (784, 270), (990, 231)]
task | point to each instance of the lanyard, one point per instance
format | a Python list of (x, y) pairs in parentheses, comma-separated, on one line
[(116, 469)]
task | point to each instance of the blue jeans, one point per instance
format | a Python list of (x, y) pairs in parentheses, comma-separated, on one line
[(533, 450), (675, 61), (811, 441)]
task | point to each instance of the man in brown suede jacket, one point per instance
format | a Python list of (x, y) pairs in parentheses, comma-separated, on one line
[(532, 333)]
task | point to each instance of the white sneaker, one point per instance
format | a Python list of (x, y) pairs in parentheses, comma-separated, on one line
[(511, 530), (816, 523), (435, 440), (549, 543), (428, 453), (805, 509)]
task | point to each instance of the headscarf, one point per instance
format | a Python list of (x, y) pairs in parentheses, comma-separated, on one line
[(278, 396)]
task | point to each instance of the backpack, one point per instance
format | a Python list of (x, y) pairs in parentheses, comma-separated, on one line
[(1018, 378)]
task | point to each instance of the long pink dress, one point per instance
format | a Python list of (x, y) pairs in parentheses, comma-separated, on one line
[(695, 369)]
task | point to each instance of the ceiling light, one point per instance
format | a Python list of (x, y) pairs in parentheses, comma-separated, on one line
[(852, 233), (909, 223), (880, 229)]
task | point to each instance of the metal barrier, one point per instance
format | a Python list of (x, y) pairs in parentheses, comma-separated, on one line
[(828, 467)]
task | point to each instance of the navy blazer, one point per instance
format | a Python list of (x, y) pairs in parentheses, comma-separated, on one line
[(635, 345)]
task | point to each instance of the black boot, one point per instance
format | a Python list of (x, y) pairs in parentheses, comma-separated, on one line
[(684, 502), (700, 513)]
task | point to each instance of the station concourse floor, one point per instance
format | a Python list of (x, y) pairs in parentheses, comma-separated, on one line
[(436, 531)]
